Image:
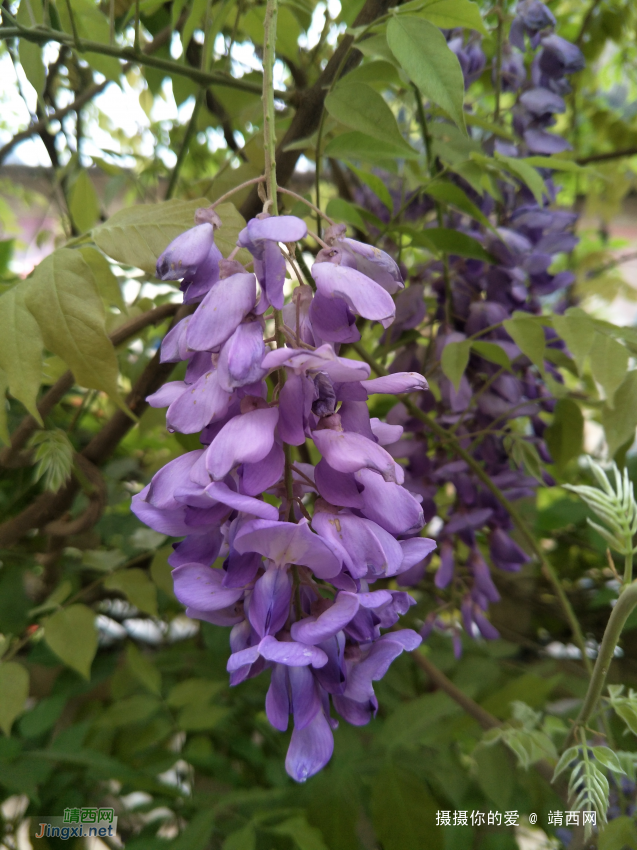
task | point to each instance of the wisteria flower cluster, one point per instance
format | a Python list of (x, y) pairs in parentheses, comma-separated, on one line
[(475, 298), (302, 544)]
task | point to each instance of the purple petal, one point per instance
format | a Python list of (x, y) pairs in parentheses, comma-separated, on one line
[(204, 401), (201, 549), (369, 549), (291, 654), (240, 359), (386, 434), (185, 253), (242, 658), (258, 477), (281, 228), (245, 438), (220, 492), (305, 699), (169, 478), (414, 550), (167, 394), (173, 346), (388, 504), (201, 588), (166, 521), (310, 749), (277, 699), (399, 382), (288, 543), (229, 616), (332, 320), (313, 630), (295, 404), (221, 311), (541, 142), (363, 296), (349, 452), (337, 488), (377, 265), (270, 601)]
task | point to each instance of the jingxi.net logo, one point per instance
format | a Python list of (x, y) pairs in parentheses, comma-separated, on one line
[(79, 823)]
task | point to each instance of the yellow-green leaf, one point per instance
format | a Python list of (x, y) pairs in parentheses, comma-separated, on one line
[(577, 330), (106, 282), (136, 587), (609, 362), (84, 204), (449, 14), (62, 296), (72, 636), (14, 690), (31, 60), (143, 669), (620, 421), (360, 107), (426, 58), (20, 349), (455, 356), (136, 236), (528, 335), (4, 419)]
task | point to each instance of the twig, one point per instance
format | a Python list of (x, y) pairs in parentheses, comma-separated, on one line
[(604, 157), (183, 150), (269, 126), (238, 189), (306, 202)]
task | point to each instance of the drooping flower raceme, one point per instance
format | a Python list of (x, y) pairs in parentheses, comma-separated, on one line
[(302, 545)]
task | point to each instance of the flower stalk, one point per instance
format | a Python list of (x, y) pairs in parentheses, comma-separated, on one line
[(269, 129)]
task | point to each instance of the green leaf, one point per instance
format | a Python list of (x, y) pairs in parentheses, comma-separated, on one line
[(628, 714), (91, 24), (161, 571), (305, 837), (609, 362), (54, 458), (448, 241), (455, 356), (377, 186), (492, 352), (449, 193), (376, 45), (132, 709), (196, 836), (20, 349), (136, 587), (14, 690), (62, 296), (403, 812), (620, 421), (608, 758), (577, 330), (198, 718), (449, 14), (72, 636), (242, 839), (143, 669), (565, 434), (136, 236), (4, 418), (380, 71), (525, 454), (356, 145), (362, 108), (554, 163), (31, 60), (425, 56), (495, 775), (193, 691), (528, 335), (84, 205), (565, 759), (618, 834), (106, 282), (342, 210), (525, 172)]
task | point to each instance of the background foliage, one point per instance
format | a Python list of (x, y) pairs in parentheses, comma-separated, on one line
[(108, 694)]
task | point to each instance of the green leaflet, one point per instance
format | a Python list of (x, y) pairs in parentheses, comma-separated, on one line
[(136, 236), (20, 349), (71, 634), (359, 107), (449, 193), (31, 60), (448, 241), (424, 55), (106, 282), (620, 421), (136, 587), (449, 14), (84, 205), (565, 435), (454, 359), (4, 419), (143, 669), (243, 839), (62, 296), (376, 185), (609, 361), (577, 330), (305, 837), (359, 146), (14, 690), (403, 811), (526, 173), (528, 335), (492, 352), (342, 210)]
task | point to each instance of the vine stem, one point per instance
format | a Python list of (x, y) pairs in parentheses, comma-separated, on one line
[(525, 531), (237, 189), (269, 128), (620, 613)]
